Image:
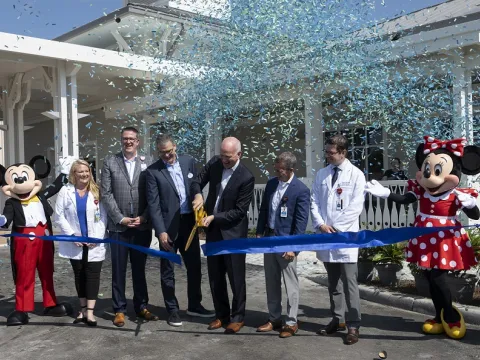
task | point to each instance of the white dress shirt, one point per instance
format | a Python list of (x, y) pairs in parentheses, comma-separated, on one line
[(130, 165), (34, 214), (324, 210), (226, 175), (276, 198)]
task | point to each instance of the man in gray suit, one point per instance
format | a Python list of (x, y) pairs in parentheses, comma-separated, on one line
[(171, 213), (123, 189)]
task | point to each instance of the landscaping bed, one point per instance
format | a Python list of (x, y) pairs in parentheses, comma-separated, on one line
[(407, 287)]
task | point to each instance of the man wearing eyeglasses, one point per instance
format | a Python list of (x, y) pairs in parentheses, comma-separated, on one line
[(168, 191), (336, 204), (123, 191), (284, 211)]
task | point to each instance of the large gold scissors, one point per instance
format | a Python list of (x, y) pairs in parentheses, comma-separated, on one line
[(200, 214)]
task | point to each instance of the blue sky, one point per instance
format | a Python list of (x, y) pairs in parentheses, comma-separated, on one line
[(51, 18)]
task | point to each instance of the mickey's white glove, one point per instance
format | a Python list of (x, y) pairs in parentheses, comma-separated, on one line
[(66, 163), (467, 201), (376, 189), (3, 220)]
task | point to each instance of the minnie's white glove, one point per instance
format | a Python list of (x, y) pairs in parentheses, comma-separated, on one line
[(467, 201), (66, 163), (3, 220), (376, 189)]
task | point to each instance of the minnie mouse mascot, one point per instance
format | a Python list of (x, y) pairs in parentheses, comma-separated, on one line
[(28, 210), (440, 164)]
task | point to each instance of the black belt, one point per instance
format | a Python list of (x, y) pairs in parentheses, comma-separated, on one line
[(183, 216)]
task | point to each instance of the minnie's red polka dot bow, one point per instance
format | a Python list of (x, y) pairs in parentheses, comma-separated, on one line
[(455, 145)]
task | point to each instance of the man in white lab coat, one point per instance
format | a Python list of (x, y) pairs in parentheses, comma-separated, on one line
[(337, 202)]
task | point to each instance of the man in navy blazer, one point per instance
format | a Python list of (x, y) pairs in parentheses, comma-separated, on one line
[(171, 213), (284, 211)]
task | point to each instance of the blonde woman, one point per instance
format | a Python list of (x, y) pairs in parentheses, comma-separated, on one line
[(78, 212)]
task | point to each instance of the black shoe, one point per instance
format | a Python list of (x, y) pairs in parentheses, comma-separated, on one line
[(91, 322), (17, 318), (79, 319), (174, 319), (332, 328), (56, 311), (200, 311)]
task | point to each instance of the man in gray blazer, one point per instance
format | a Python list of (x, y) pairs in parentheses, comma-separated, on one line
[(171, 213), (123, 195)]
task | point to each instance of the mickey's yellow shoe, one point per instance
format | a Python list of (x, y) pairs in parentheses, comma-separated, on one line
[(432, 327), (454, 330)]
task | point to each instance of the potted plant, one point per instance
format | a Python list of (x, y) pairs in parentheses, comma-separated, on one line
[(462, 285), (421, 282), (388, 261), (366, 264)]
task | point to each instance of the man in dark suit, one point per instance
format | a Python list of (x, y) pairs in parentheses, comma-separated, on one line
[(284, 211), (171, 213), (229, 196), (123, 195)]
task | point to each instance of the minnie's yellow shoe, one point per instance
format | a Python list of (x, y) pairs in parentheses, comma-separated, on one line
[(432, 327), (454, 330)]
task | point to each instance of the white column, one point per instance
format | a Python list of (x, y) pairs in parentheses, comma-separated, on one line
[(3, 127), (14, 92), (72, 106), (463, 111), (462, 100), (61, 128), (26, 91), (313, 135)]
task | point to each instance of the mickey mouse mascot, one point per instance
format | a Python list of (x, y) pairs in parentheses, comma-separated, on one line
[(440, 164), (28, 210)]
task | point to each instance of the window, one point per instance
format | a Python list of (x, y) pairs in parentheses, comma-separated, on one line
[(476, 130), (365, 149)]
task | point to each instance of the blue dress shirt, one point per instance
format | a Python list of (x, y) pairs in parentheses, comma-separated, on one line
[(176, 174)]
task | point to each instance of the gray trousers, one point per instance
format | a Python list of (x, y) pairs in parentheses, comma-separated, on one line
[(277, 267), (344, 293)]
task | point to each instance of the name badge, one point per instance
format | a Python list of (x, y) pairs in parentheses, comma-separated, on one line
[(283, 212), (339, 205), (97, 216)]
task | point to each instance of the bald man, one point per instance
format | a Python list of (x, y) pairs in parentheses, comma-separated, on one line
[(229, 195)]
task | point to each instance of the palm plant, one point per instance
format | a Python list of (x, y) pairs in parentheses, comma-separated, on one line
[(390, 254)]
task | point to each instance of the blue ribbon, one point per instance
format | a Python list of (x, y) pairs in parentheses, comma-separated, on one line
[(85, 239), (341, 240)]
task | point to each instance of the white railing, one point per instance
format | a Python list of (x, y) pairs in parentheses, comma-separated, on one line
[(377, 213)]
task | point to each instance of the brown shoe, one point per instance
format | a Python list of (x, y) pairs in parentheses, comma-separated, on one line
[(332, 328), (288, 331), (147, 315), (234, 327), (215, 324), (269, 326), (352, 336), (119, 320)]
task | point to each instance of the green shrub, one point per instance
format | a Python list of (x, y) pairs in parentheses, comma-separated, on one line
[(390, 254)]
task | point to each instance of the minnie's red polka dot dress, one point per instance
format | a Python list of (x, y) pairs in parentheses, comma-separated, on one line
[(449, 249)]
